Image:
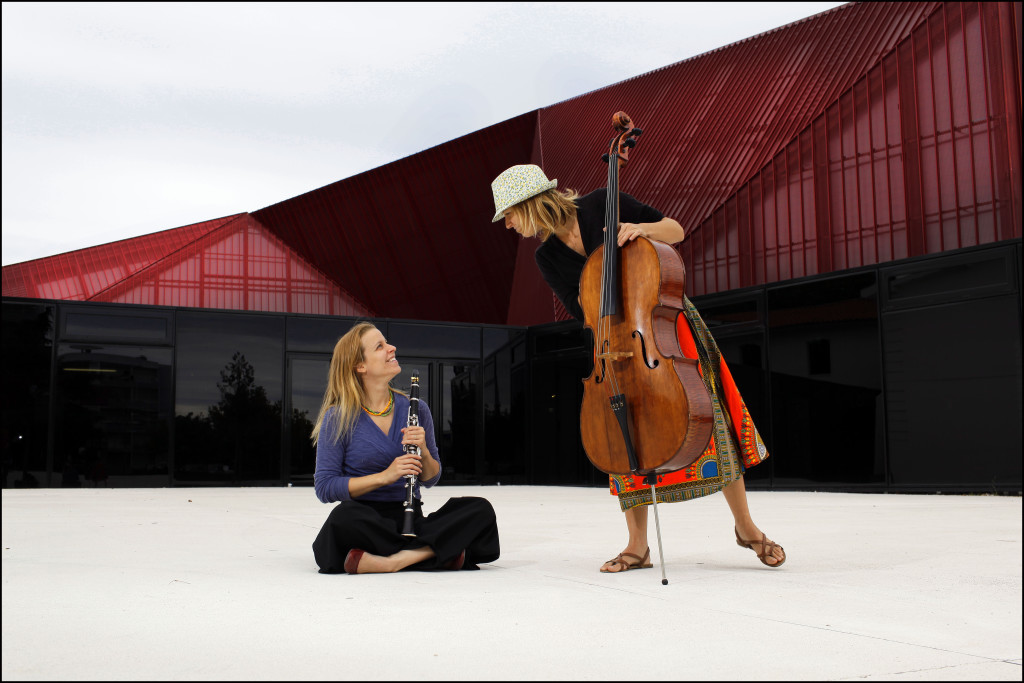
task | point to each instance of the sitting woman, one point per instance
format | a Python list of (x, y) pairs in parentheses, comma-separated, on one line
[(361, 463)]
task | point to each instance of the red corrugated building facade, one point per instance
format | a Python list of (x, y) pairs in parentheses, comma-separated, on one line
[(865, 134)]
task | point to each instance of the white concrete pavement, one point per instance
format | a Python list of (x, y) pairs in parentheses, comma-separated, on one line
[(220, 584)]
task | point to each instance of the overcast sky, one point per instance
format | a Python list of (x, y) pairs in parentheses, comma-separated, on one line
[(124, 119)]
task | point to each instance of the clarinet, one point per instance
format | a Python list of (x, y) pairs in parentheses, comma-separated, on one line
[(410, 479)]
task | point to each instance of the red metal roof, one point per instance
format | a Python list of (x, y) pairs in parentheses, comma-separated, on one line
[(231, 262), (413, 238), (712, 121), (866, 133), (239, 265), (79, 275), (921, 154)]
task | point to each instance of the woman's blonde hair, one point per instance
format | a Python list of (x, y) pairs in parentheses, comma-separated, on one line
[(546, 214), (344, 391)]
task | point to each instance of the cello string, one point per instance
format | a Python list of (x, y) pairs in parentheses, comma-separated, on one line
[(606, 285), (610, 239), (602, 339)]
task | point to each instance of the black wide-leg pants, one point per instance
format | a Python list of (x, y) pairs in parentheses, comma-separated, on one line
[(467, 523)]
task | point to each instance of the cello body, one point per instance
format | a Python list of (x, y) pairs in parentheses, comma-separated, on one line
[(646, 410), (670, 416)]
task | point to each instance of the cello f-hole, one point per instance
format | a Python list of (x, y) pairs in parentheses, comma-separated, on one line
[(599, 371), (649, 362)]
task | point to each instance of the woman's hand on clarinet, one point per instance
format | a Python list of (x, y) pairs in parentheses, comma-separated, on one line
[(402, 466), (415, 435)]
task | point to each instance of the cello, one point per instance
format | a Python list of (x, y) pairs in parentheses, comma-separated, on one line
[(645, 411)]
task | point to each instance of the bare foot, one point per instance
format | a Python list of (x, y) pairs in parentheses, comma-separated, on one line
[(360, 562)]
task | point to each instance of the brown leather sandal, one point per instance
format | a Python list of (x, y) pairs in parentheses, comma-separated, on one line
[(641, 562), (766, 548)]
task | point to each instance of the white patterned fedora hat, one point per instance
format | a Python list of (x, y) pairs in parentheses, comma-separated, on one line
[(518, 184)]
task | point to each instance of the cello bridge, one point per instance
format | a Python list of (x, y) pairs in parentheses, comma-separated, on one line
[(615, 355)]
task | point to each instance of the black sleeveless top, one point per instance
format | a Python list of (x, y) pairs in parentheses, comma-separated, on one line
[(562, 267)]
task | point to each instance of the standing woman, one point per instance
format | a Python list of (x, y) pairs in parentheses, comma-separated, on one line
[(531, 205), (361, 463)]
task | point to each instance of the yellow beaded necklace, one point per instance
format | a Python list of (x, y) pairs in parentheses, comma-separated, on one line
[(387, 408)]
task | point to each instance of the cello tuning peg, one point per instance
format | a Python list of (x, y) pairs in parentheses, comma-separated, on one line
[(637, 131), (630, 142), (604, 157)]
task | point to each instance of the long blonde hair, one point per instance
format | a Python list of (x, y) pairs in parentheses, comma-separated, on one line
[(344, 390), (546, 214)]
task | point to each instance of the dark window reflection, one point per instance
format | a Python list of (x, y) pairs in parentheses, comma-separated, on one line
[(319, 335), (716, 313), (504, 385), (560, 337), (555, 453), (27, 350), (228, 410), (456, 423), (113, 415), (954, 395), (306, 392), (827, 407), (561, 359), (435, 341), (957, 277), (149, 329), (495, 338)]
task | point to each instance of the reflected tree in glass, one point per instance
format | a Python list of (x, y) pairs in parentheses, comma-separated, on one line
[(245, 420), (240, 439)]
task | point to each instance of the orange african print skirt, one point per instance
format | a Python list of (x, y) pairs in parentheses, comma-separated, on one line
[(735, 443)]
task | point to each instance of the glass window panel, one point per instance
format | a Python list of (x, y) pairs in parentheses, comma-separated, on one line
[(953, 277), (827, 406), (80, 325), (456, 424), (954, 419), (559, 337), (27, 351), (308, 383), (319, 335), (113, 415), (435, 341), (555, 454), (504, 426), (228, 412), (519, 351), (495, 338), (717, 313)]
